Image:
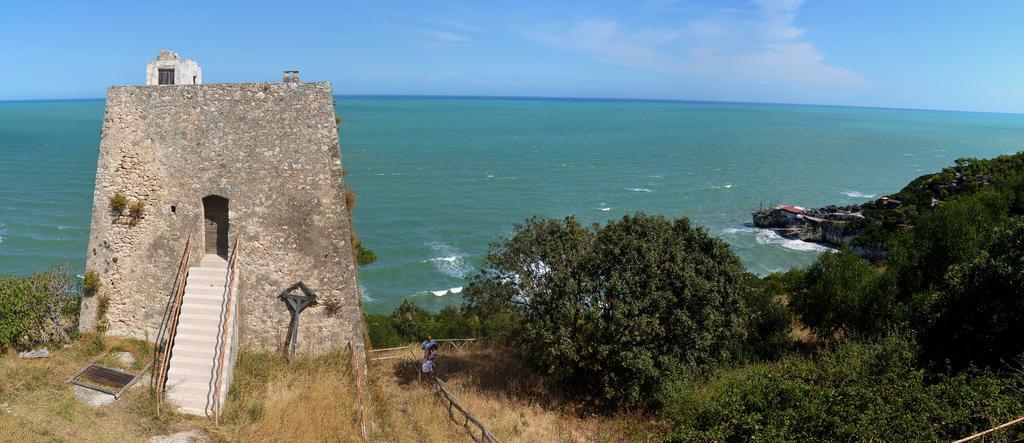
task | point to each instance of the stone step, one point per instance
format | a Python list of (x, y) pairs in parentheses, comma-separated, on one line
[(195, 338), (193, 411), (206, 280), (203, 299), (198, 308), (204, 328), (193, 399), (193, 350), (193, 357), (179, 378), (188, 374), (198, 317), (207, 272), (192, 387), (214, 260), (198, 364), (204, 291)]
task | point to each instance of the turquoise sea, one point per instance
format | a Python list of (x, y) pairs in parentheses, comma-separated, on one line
[(438, 179)]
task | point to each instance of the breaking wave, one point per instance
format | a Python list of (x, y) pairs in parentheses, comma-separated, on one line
[(639, 190), (451, 261), (769, 237), (365, 294), (856, 194), (443, 292)]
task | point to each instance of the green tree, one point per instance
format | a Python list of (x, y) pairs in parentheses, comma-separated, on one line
[(610, 311), (978, 317), (842, 293)]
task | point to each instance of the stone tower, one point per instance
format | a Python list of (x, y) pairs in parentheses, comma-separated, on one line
[(254, 163)]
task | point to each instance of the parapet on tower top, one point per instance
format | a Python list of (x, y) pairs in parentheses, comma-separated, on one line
[(169, 69)]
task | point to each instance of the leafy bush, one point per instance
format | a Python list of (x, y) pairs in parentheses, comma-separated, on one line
[(364, 256), (610, 311), (842, 293), (410, 323), (978, 317), (38, 309), (854, 392), (769, 319), (118, 202)]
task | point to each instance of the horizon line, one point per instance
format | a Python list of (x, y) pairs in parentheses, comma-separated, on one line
[(577, 98)]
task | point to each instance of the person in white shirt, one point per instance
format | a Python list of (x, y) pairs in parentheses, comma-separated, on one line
[(428, 369)]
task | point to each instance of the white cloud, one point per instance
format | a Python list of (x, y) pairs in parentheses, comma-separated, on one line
[(446, 37), (761, 45)]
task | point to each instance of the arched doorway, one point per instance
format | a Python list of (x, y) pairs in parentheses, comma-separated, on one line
[(215, 225)]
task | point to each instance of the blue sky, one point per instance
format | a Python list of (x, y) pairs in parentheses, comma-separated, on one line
[(919, 54)]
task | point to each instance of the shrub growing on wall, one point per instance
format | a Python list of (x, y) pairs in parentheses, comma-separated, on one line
[(118, 202), (91, 281)]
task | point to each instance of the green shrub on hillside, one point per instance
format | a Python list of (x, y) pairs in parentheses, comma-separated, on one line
[(38, 309), (842, 294), (855, 392), (410, 323), (979, 317)]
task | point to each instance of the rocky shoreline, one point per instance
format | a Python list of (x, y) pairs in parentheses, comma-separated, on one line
[(829, 225)]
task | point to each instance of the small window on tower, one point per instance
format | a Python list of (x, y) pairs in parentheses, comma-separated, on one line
[(166, 77)]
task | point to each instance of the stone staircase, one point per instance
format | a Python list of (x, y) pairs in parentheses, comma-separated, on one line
[(194, 356)]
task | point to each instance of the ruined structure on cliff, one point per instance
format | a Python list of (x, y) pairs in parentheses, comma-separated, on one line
[(252, 163)]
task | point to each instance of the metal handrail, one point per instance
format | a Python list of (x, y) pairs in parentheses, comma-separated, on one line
[(169, 324), (225, 318)]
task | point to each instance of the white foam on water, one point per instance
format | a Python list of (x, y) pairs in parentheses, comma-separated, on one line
[(770, 237), (739, 230), (727, 185), (858, 194), (605, 209), (365, 294), (655, 176), (451, 261), (639, 190), (444, 292)]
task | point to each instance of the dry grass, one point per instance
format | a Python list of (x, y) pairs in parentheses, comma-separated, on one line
[(308, 399), (514, 404), (36, 404)]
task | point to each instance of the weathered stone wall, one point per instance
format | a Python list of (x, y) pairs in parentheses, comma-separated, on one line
[(272, 150)]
